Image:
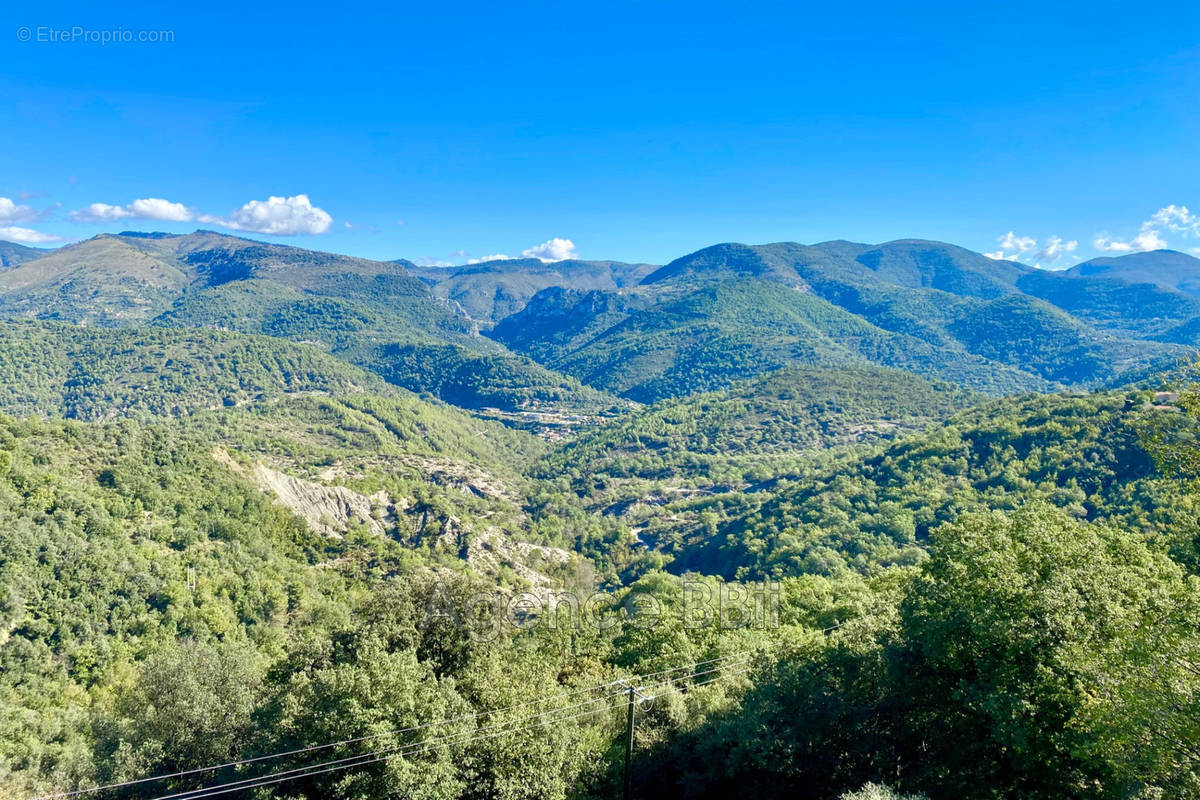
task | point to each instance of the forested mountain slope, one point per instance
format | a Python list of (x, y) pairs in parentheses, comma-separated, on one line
[(61, 370), (492, 290), (151, 573), (1085, 454), (926, 307), (725, 313), (250, 580), (373, 314), (737, 436), (671, 344), (1169, 269), (128, 278)]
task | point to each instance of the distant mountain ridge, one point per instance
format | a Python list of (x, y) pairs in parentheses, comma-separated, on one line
[(492, 290), (12, 254), (928, 307), (568, 333), (1169, 269), (374, 314), (115, 279), (910, 263)]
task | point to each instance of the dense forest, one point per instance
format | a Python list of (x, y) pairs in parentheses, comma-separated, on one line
[(809, 521)]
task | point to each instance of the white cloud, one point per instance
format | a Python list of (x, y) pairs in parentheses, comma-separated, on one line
[(143, 208), (157, 208), (1108, 244), (1027, 250), (280, 216), (1175, 218), (1013, 246), (277, 216), (12, 212), (1147, 239), (1018, 244), (26, 235), (427, 261), (1055, 248), (99, 212), (555, 249)]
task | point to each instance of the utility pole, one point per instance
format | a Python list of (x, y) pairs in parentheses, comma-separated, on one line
[(629, 741)]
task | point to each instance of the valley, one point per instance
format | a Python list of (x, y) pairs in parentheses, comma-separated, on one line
[(246, 489)]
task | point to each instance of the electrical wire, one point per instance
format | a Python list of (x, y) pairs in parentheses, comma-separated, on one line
[(418, 748), (363, 759), (356, 740), (730, 658)]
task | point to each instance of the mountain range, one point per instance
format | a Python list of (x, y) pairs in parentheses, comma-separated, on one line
[(523, 334), (730, 311), (231, 531)]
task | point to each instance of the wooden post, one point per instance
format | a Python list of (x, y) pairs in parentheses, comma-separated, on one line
[(629, 743)]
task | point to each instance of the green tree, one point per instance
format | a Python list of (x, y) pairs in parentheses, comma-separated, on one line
[(1013, 629), (191, 705)]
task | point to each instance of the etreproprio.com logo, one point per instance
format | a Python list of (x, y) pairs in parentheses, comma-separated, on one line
[(77, 34)]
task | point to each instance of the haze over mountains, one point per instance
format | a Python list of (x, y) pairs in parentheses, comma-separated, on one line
[(516, 334)]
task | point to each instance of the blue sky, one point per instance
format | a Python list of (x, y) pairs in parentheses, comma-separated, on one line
[(637, 131)]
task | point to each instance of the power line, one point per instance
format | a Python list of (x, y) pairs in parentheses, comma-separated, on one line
[(418, 748), (360, 739), (398, 748), (309, 749), (724, 669), (364, 759)]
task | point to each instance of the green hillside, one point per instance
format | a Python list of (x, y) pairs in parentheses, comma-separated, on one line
[(726, 331), (274, 309), (161, 612), (732, 311), (1086, 455), (108, 280), (85, 373), (131, 278), (251, 580), (725, 313), (138, 561), (1166, 268), (478, 381), (313, 432), (558, 321), (373, 314), (793, 409), (1184, 333), (476, 375), (907, 263), (726, 441), (1140, 309), (1027, 333)]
